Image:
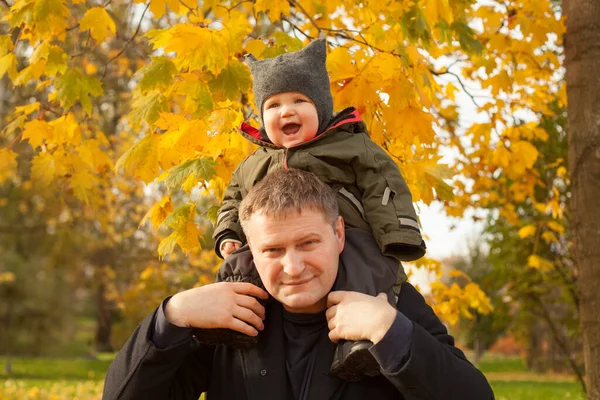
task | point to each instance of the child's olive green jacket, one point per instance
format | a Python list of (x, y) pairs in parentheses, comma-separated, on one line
[(372, 195)]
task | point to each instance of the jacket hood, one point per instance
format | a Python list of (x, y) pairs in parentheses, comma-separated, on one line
[(258, 135)]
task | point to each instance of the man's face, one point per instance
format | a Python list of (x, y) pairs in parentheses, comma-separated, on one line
[(297, 257), (290, 119)]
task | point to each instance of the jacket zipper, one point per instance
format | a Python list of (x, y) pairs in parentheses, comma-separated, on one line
[(285, 166)]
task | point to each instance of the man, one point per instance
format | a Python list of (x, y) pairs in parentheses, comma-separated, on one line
[(296, 237)]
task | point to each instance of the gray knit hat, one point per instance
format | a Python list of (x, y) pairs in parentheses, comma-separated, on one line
[(302, 71)]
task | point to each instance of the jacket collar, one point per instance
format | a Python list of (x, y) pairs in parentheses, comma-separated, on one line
[(264, 365), (258, 135)]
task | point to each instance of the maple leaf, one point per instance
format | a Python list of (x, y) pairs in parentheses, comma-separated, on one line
[(158, 212), (43, 170), (203, 168), (28, 109), (147, 108), (82, 182), (99, 23), (185, 231), (157, 75), (74, 86), (8, 164), (556, 227), (140, 160), (274, 8), (6, 44), (158, 7), (8, 64), (15, 124), (527, 231), (231, 82), (198, 97), (37, 131), (51, 58), (196, 47)]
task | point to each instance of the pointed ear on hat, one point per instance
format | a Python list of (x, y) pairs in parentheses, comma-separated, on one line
[(250, 59), (316, 49)]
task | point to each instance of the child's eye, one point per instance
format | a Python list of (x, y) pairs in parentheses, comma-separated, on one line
[(272, 105), (300, 101)]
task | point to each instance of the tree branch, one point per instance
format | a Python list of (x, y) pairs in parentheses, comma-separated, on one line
[(446, 72), (297, 28), (126, 44)]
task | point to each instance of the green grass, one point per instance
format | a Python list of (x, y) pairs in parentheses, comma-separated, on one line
[(528, 390), (82, 378), (501, 364)]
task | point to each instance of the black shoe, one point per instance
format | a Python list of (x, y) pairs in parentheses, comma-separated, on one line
[(226, 337), (352, 361)]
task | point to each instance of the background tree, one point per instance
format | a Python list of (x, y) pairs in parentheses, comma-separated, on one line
[(583, 56), (483, 330)]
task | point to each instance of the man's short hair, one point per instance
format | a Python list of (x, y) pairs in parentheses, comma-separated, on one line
[(289, 191)]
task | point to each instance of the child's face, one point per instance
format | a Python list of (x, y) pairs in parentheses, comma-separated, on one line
[(290, 119)]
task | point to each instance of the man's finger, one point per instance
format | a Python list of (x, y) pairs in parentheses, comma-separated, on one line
[(330, 313), (248, 316), (242, 327), (333, 336), (251, 303), (335, 297), (249, 289)]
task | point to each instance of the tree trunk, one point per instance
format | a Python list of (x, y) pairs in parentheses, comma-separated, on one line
[(103, 320), (582, 47), (479, 349)]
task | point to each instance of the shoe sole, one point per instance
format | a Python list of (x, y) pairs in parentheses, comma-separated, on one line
[(355, 366)]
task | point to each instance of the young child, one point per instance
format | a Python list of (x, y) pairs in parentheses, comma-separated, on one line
[(299, 130)]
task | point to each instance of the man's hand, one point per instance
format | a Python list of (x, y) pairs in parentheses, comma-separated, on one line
[(357, 316), (229, 247), (231, 305)]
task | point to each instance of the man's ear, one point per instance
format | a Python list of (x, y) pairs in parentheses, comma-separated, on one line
[(340, 233)]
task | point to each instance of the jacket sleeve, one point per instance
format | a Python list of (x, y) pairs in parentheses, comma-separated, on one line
[(387, 202), (141, 370), (228, 224), (434, 368)]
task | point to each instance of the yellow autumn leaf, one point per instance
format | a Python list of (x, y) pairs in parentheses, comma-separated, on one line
[(187, 238), (37, 131), (159, 212), (43, 170), (28, 109), (140, 160), (556, 227), (540, 263), (8, 164), (274, 8), (190, 182), (99, 23), (527, 231), (7, 277), (549, 237), (8, 64), (82, 182)]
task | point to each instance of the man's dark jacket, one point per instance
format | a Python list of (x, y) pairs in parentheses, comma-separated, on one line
[(434, 368)]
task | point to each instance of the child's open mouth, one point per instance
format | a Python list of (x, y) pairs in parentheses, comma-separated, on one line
[(291, 129)]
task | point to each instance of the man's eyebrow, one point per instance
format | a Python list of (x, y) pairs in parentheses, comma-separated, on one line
[(310, 235)]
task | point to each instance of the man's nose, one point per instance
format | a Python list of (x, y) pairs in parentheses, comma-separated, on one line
[(293, 265)]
